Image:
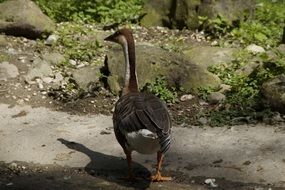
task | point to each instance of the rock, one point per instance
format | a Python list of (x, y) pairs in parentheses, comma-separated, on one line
[(52, 39), (3, 41), (8, 70), (216, 97), (11, 51), (24, 18), (153, 62), (207, 56), (247, 69), (40, 69), (53, 58), (225, 88), (255, 49), (203, 120), (274, 93), (72, 62), (280, 48), (186, 97), (86, 76), (186, 13), (211, 182), (157, 13)]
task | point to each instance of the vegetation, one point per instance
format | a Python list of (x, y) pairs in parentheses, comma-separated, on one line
[(100, 11), (160, 88)]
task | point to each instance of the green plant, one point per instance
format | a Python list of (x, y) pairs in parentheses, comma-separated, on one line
[(78, 43), (102, 11), (216, 27), (160, 88)]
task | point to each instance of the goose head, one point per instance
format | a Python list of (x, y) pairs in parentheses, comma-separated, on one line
[(122, 37)]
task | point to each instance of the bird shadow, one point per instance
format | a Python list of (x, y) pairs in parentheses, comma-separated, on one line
[(110, 168)]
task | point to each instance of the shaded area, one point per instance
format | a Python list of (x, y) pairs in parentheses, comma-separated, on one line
[(109, 167)]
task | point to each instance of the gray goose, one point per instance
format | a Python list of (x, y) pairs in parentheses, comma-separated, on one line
[(141, 121)]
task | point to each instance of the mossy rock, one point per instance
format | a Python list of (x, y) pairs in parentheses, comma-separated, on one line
[(274, 92), (24, 18), (152, 62)]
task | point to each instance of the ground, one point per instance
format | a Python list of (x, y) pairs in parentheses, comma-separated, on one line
[(49, 144)]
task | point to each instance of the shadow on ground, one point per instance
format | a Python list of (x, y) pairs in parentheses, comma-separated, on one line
[(109, 167)]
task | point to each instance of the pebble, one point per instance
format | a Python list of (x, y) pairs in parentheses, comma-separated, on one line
[(211, 182), (80, 65), (203, 120), (44, 92), (34, 93), (41, 86), (47, 80), (186, 97), (44, 97), (52, 39), (72, 62)]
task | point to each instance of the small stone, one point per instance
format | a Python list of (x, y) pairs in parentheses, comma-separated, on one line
[(41, 86), (52, 39), (44, 97), (34, 93), (255, 49), (211, 182), (58, 77), (47, 80), (216, 97), (186, 97), (9, 184), (11, 51), (72, 62), (81, 65), (27, 99), (44, 92), (105, 132), (92, 101), (203, 120)]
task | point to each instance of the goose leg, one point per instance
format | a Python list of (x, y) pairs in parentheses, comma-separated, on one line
[(130, 168), (157, 177)]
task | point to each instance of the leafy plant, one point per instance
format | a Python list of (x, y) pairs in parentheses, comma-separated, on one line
[(160, 88), (102, 11)]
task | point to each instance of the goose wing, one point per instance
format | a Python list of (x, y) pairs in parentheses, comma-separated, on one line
[(136, 111)]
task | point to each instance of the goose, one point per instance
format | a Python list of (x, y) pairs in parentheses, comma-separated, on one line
[(141, 121)]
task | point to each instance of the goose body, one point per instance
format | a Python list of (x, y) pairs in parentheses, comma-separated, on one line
[(141, 121)]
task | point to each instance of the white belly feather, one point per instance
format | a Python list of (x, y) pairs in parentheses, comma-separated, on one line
[(143, 141)]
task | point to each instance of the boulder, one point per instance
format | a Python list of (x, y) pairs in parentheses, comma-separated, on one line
[(153, 62), (207, 56), (8, 70), (24, 18), (185, 13), (274, 92), (86, 76)]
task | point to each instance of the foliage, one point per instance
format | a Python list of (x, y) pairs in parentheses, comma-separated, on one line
[(264, 29), (102, 11), (244, 101), (78, 43), (160, 89), (217, 27)]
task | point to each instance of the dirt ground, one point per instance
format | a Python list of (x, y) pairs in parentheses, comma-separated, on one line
[(48, 144)]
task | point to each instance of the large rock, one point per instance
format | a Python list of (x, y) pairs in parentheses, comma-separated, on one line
[(274, 92), (185, 13), (153, 62), (23, 18), (207, 56), (85, 76)]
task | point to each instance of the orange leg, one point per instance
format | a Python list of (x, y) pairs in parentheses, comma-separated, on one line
[(130, 168), (157, 177)]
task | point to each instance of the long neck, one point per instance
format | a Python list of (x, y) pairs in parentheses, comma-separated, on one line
[(131, 83)]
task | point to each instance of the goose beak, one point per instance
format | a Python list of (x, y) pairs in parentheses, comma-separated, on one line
[(110, 38)]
